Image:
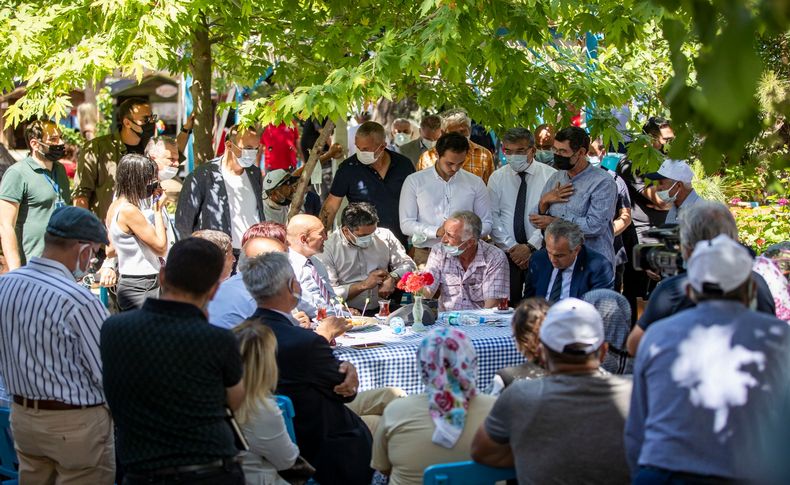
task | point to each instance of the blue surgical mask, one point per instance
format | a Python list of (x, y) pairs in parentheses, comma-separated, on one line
[(79, 272), (451, 250), (518, 163), (594, 161)]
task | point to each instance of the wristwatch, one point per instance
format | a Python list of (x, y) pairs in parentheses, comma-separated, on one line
[(184, 130), (394, 276), (532, 248)]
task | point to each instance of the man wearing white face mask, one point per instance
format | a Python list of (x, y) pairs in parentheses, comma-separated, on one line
[(219, 194), (364, 261), (163, 150), (674, 187), (430, 132), (471, 273), (400, 134), (514, 188)]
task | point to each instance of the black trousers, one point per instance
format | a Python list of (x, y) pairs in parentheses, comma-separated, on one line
[(518, 278), (230, 474)]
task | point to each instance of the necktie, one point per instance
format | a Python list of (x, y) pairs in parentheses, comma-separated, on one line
[(320, 282), (519, 228), (556, 290)]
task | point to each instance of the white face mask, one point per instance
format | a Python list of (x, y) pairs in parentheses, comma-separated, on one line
[(402, 139), (366, 158), (80, 272), (518, 163), (428, 143), (453, 250), (359, 241), (594, 161), (247, 158), (664, 195), (167, 173)]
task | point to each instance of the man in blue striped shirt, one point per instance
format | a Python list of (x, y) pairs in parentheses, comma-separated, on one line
[(50, 361)]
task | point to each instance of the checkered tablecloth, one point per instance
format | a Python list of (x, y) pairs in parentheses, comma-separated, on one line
[(396, 365)]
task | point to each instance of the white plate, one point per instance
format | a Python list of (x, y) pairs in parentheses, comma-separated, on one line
[(368, 322), (509, 310)]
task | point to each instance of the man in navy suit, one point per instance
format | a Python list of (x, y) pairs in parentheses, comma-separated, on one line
[(331, 436), (565, 267)]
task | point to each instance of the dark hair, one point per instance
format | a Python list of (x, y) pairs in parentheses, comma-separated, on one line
[(712, 292), (568, 358), (358, 215), (515, 135), (35, 130), (133, 174), (654, 125), (51, 240), (431, 122), (236, 130), (452, 141), (527, 319), (126, 108), (269, 229), (577, 137), (371, 129), (193, 265)]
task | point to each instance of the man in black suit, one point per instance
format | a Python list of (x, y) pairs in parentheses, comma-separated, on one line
[(331, 436), (565, 267)]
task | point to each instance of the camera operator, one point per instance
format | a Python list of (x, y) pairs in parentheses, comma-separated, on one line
[(703, 221)]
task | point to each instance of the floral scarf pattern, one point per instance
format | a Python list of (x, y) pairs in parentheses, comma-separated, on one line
[(449, 371)]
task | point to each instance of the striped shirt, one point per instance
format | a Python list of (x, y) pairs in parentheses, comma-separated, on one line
[(479, 161), (49, 335)]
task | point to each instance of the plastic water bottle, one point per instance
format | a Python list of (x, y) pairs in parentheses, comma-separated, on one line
[(453, 318), (418, 238), (397, 325), (471, 320)]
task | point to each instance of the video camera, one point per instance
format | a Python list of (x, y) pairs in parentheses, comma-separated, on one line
[(663, 257)]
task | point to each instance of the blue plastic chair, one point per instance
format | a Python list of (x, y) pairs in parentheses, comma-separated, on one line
[(8, 459), (287, 407), (465, 473)]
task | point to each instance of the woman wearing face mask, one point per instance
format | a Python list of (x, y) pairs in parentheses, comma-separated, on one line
[(138, 243)]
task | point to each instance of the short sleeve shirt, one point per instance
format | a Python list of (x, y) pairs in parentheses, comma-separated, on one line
[(166, 370), (361, 183), (38, 192)]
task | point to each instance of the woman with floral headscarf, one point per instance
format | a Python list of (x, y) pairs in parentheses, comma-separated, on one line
[(438, 426)]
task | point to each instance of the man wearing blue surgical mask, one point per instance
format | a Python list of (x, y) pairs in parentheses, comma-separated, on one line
[(514, 189), (364, 261), (219, 194)]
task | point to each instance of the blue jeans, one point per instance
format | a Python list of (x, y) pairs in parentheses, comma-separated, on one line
[(649, 475)]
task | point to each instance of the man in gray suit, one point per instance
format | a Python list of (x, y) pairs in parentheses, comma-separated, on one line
[(430, 131)]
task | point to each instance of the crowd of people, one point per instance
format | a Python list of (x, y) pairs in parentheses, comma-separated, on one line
[(220, 303)]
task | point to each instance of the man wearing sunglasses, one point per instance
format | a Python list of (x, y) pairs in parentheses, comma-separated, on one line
[(94, 181)]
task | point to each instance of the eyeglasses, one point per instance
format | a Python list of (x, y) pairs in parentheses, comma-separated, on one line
[(145, 120)]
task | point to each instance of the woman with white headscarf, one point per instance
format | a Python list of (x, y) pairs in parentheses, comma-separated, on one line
[(616, 314), (438, 426)]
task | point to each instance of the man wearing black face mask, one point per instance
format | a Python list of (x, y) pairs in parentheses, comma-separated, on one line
[(30, 192), (579, 193), (94, 181)]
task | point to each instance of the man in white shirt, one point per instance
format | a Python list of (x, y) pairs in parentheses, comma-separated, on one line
[(306, 237), (515, 188), (429, 197), (364, 261)]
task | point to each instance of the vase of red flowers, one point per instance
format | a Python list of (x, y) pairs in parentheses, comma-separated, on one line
[(415, 283)]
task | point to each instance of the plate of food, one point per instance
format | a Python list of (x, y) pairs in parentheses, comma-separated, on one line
[(361, 323)]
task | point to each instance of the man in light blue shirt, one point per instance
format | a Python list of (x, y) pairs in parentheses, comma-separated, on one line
[(579, 193), (708, 380), (674, 187)]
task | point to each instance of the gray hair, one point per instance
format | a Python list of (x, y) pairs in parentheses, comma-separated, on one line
[(455, 116), (704, 221), (266, 275), (473, 226), (561, 228), (615, 312), (157, 146), (515, 135)]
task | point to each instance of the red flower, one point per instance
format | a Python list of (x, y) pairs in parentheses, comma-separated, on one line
[(428, 277), (444, 400), (760, 241)]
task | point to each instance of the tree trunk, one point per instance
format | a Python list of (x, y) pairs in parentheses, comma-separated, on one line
[(201, 66), (304, 179)]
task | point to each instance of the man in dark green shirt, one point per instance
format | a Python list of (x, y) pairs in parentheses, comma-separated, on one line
[(30, 192)]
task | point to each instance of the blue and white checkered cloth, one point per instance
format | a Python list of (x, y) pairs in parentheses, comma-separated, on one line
[(395, 364)]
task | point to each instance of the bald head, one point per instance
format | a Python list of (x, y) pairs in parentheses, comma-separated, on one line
[(306, 235), (261, 245)]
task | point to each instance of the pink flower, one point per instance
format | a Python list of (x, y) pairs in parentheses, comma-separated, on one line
[(782, 201), (735, 201), (444, 400), (451, 344)]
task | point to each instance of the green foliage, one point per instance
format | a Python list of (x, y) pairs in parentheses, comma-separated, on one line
[(708, 187), (763, 226), (71, 136), (104, 106)]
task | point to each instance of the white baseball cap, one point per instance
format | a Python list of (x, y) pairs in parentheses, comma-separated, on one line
[(720, 263), (673, 169), (572, 321), (275, 178)]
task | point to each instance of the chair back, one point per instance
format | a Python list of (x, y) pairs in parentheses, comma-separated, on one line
[(465, 473), (287, 408), (8, 459)]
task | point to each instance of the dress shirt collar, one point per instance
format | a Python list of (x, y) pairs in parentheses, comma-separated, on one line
[(51, 266), (286, 315), (439, 177), (690, 199), (530, 169), (299, 260)]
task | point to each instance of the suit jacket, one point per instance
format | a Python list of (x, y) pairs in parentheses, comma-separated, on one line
[(203, 202), (592, 271), (330, 436), (412, 150)]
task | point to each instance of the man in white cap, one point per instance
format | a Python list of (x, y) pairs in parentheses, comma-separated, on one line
[(707, 380), (278, 190), (572, 419), (674, 187)]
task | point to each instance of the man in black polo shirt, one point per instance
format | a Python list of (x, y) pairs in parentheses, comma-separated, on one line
[(168, 376), (375, 175)]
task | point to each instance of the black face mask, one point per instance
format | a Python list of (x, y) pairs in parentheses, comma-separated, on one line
[(55, 152), (284, 202), (562, 162), (151, 188), (148, 130)]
